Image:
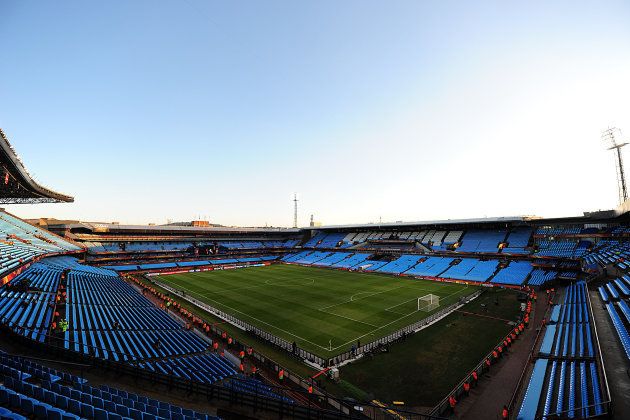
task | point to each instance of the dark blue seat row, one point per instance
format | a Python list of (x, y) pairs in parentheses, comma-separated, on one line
[(33, 407), (37, 370), (254, 386), (206, 368), (57, 401), (6, 414)]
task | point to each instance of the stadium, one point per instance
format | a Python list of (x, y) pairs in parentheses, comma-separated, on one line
[(358, 321), (507, 317)]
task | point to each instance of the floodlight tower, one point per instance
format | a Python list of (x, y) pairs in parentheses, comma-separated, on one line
[(609, 137), (295, 204)]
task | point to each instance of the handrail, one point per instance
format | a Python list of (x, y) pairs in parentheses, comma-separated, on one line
[(599, 349)]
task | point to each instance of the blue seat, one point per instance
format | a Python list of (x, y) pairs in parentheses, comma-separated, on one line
[(87, 410), (135, 414), (86, 399), (100, 414), (163, 412), (4, 395), (122, 410), (114, 416), (75, 395), (74, 406), (61, 402), (13, 416), (109, 406), (27, 388), (27, 405), (54, 414), (55, 387), (40, 411), (147, 416), (15, 400), (50, 397), (98, 402)]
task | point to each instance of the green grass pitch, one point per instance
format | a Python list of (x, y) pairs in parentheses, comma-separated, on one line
[(324, 311)]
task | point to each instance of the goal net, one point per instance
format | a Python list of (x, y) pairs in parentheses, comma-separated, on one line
[(428, 303)]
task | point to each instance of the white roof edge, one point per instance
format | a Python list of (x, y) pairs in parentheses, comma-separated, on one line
[(433, 222), (113, 226)]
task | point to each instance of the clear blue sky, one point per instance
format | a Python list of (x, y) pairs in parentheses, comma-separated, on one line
[(405, 110)]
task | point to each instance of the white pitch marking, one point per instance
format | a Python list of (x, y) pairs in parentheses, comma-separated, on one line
[(390, 323), (348, 318), (321, 309), (371, 294), (259, 320)]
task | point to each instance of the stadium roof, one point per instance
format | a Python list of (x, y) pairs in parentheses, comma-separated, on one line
[(17, 186), (508, 219), (117, 228), (588, 217)]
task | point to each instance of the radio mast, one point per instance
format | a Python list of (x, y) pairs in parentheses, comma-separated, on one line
[(295, 205)]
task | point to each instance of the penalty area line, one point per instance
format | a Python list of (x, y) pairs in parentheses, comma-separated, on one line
[(390, 323)]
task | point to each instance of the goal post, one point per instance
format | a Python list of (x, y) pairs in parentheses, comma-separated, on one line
[(428, 302)]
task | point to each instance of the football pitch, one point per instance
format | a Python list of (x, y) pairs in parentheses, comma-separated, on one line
[(324, 311)]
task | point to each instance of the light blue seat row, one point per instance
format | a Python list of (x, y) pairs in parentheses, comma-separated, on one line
[(547, 343), (625, 290), (622, 332), (529, 407)]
